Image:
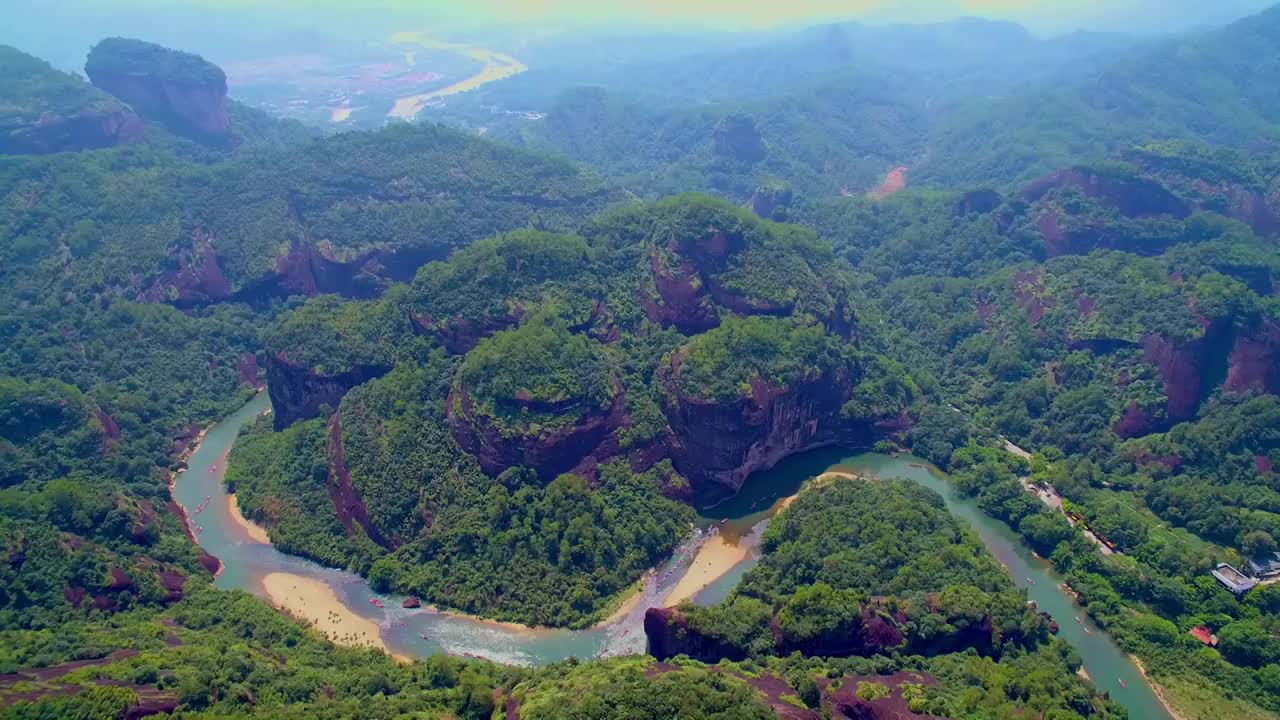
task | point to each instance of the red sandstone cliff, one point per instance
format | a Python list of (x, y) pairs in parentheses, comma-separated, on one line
[(53, 132), (183, 91), (719, 444), (297, 393), (347, 503), (550, 450)]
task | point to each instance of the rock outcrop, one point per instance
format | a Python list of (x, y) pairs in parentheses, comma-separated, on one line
[(689, 282), (583, 435), (298, 393), (459, 335), (978, 202), (667, 634), (1254, 362), (347, 503), (1134, 196), (196, 277), (53, 132), (772, 202), (680, 297), (185, 92), (877, 630), (1213, 181), (717, 445), (736, 137)]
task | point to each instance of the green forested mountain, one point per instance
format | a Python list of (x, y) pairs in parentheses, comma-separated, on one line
[(1210, 88), (501, 382), (858, 566), (831, 111), (548, 426), (841, 134)]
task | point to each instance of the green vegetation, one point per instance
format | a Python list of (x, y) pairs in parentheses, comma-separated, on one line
[(1189, 88), (527, 356), (537, 374), (30, 87), (626, 688), (1149, 596), (879, 568), (508, 547), (219, 654), (724, 363), (881, 538), (1118, 320), (278, 220), (494, 280)]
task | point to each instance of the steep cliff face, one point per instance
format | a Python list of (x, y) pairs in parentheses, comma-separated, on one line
[(549, 450), (695, 277), (1216, 180), (667, 634), (1254, 363), (195, 278), (459, 335), (1180, 366), (680, 297), (181, 90), (772, 202), (347, 504), (717, 445), (876, 631), (52, 132), (297, 393), (978, 202), (1132, 195), (1070, 232)]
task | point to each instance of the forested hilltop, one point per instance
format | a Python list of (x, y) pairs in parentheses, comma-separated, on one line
[(502, 384), (565, 392), (831, 110)]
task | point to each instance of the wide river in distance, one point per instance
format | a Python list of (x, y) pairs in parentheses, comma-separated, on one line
[(417, 632)]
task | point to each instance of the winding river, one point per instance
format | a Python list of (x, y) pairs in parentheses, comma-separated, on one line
[(418, 632)]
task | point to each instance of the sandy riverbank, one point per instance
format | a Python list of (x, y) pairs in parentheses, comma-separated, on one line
[(719, 554), (715, 557), (340, 114), (315, 602), (629, 603), (256, 532), (1155, 688)]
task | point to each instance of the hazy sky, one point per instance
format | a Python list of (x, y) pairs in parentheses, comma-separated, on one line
[(62, 31), (1041, 15)]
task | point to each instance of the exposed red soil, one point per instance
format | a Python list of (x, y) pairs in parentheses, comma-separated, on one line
[(895, 181)]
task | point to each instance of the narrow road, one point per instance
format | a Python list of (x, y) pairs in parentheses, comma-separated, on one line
[(1049, 496)]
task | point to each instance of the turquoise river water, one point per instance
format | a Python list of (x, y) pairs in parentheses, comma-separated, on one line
[(740, 519)]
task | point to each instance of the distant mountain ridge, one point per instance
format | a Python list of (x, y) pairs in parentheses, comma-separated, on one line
[(966, 103), (1215, 87)]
